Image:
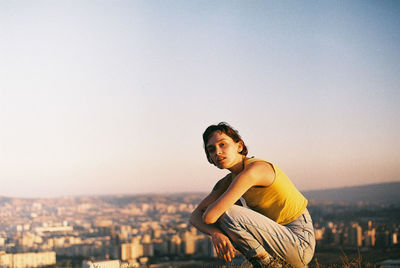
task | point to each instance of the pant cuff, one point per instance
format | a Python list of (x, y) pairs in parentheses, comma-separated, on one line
[(254, 252)]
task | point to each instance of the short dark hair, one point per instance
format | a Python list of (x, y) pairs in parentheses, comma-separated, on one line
[(228, 130)]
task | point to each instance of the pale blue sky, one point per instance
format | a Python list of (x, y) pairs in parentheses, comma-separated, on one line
[(105, 97)]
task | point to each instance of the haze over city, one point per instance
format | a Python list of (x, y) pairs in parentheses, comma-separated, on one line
[(111, 97)]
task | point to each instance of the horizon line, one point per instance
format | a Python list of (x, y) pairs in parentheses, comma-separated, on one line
[(178, 192)]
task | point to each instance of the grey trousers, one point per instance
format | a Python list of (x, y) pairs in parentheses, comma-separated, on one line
[(253, 233)]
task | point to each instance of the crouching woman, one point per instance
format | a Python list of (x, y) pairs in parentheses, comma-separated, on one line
[(255, 209)]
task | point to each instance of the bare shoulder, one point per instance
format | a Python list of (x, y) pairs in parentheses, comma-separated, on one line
[(263, 171), (223, 184), (210, 198), (260, 166)]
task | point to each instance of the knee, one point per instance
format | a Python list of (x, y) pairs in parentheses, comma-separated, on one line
[(230, 217)]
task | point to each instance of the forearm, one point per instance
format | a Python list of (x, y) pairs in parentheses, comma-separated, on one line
[(197, 221)]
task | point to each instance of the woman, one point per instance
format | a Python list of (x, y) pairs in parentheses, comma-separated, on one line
[(255, 208)]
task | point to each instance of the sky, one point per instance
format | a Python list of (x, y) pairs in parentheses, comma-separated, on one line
[(112, 97)]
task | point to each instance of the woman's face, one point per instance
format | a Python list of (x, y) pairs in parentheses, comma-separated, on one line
[(223, 151)]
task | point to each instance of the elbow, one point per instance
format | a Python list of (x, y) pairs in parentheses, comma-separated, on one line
[(195, 217), (191, 219), (208, 219)]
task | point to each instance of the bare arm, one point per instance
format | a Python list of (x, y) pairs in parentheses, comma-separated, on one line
[(255, 174), (221, 242), (196, 218)]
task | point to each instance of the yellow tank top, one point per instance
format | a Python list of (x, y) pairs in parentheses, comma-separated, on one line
[(281, 201)]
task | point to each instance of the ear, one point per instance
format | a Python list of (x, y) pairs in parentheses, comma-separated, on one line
[(240, 147)]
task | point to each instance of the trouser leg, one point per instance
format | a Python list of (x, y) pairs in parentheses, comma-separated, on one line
[(252, 233)]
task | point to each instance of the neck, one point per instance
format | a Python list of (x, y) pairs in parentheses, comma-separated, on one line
[(238, 167)]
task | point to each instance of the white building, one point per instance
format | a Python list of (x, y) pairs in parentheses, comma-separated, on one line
[(101, 264)]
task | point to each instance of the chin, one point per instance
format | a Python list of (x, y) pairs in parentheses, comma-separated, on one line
[(223, 166)]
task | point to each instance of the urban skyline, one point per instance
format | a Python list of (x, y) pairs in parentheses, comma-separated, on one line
[(135, 231)]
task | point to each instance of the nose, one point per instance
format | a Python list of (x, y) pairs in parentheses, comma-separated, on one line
[(218, 151)]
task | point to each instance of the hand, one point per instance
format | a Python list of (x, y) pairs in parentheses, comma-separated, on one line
[(223, 246)]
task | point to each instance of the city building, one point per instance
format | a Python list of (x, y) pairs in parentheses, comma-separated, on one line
[(28, 259)]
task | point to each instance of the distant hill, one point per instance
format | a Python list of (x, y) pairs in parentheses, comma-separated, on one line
[(384, 193), (4, 200)]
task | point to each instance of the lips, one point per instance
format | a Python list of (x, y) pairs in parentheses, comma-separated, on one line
[(220, 159)]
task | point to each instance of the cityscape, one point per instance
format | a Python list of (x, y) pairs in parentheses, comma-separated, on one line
[(153, 231), (103, 105)]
